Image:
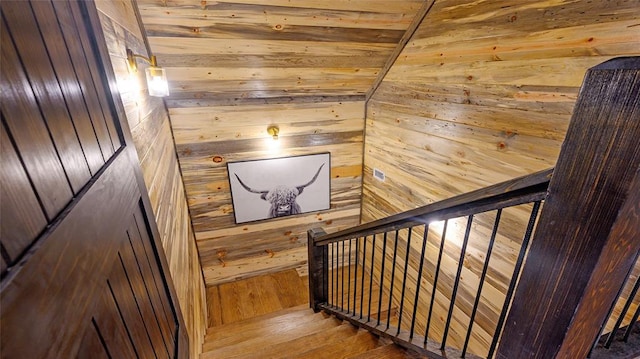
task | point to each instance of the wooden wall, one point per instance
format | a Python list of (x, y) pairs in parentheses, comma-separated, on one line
[(482, 93), (234, 133), (151, 130), (236, 66)]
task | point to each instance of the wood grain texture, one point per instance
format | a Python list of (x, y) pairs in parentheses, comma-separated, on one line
[(248, 298), (202, 133), (23, 120), (22, 216), (483, 93), (257, 49), (583, 272), (152, 136)]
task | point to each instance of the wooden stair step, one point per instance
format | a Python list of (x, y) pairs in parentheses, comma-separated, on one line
[(228, 333), (389, 351), (360, 343), (265, 334), (295, 347), (300, 310)]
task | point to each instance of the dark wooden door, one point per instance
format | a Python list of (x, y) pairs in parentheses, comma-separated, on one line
[(82, 271)]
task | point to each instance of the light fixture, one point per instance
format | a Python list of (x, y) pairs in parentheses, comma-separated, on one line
[(156, 76), (273, 131)]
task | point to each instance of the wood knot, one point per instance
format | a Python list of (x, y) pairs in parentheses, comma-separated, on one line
[(221, 254), (278, 27), (501, 145), (217, 159), (270, 253)]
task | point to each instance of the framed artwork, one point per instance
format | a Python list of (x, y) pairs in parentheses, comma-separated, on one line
[(279, 187)]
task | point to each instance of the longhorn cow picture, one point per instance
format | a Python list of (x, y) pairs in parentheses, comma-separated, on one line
[(279, 187)]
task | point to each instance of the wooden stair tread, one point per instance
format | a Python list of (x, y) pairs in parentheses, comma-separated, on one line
[(360, 343), (296, 347), (265, 334), (389, 351), (260, 326), (301, 310)]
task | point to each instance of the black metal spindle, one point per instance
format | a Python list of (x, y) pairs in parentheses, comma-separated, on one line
[(419, 280), (349, 279), (329, 274), (435, 281), (384, 257), (342, 292), (373, 256), (627, 333), (335, 270), (623, 314), (364, 262), (482, 277), (325, 272), (514, 277), (393, 278), (404, 279), (355, 276), (456, 282), (611, 308)]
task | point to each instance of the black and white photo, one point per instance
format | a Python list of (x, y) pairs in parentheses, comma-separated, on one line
[(279, 187)]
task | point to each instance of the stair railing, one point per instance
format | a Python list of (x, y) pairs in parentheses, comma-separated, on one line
[(363, 274)]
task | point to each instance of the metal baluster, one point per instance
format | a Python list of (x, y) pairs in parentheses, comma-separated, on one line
[(325, 272), (335, 269), (456, 282), (355, 277), (419, 280), (611, 308), (349, 279), (631, 324), (384, 257), (482, 276), (393, 279), (404, 279), (514, 277), (329, 274), (623, 313), (373, 254), (435, 281), (342, 294), (364, 260)]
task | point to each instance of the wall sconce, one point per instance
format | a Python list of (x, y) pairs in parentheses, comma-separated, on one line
[(156, 76), (273, 131)]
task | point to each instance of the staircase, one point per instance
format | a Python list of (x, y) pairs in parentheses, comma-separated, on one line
[(297, 332)]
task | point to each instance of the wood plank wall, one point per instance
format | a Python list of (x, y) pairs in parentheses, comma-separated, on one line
[(151, 132), (236, 66), (482, 93), (234, 133)]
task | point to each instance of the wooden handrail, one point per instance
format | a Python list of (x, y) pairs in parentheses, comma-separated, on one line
[(520, 190)]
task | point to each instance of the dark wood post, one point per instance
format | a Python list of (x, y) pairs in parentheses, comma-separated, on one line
[(589, 229), (318, 269)]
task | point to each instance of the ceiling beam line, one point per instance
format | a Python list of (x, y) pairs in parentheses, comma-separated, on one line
[(417, 20)]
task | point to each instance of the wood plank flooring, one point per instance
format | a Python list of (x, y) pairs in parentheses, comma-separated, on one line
[(252, 297)]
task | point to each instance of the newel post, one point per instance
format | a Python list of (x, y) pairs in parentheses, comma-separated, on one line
[(318, 269), (589, 230)]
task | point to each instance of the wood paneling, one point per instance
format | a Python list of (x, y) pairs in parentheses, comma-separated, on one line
[(229, 251), (483, 93), (152, 136), (58, 296), (235, 67), (255, 49), (578, 266), (46, 112)]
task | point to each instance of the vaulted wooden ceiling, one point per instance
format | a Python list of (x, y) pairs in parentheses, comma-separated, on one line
[(273, 48)]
